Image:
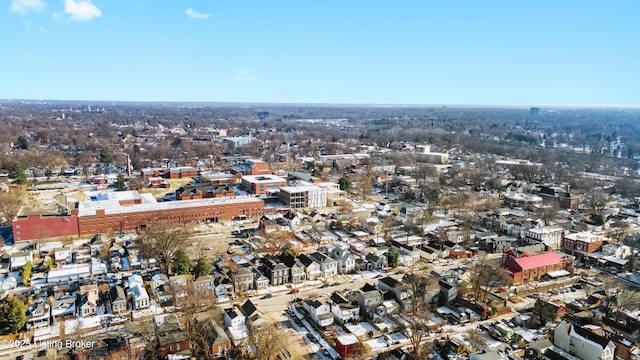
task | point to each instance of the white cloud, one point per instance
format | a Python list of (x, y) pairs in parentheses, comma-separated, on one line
[(196, 15), (244, 75), (82, 10), (25, 6)]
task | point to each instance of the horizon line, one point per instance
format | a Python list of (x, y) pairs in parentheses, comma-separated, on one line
[(337, 104)]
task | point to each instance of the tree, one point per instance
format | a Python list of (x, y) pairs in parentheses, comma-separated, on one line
[(17, 174), (266, 340), (597, 201), (628, 300), (549, 214), (181, 262), (417, 313), (365, 183), (289, 250), (13, 315), (599, 219), (120, 182), (10, 204), (25, 272), (160, 242), (484, 275), (105, 156), (203, 267), (22, 143), (408, 196), (345, 183), (393, 257)]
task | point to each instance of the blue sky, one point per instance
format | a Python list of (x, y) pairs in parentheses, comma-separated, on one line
[(374, 52)]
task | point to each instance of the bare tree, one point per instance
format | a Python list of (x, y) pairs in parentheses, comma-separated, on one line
[(596, 201), (10, 203), (161, 241), (477, 339), (418, 310), (266, 340), (484, 276), (549, 214), (364, 182)]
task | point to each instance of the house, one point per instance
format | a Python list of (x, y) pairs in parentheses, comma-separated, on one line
[(223, 289), (38, 315), (260, 281), (409, 255), (582, 343), (320, 312), (220, 343), (236, 326), (172, 338), (343, 309), (89, 296), (429, 254), (311, 267), (242, 279), (292, 220), (252, 315), (11, 281), (374, 262), (63, 308), (19, 259), (63, 254), (618, 251), (118, 299), (139, 297), (370, 302), (204, 285), (233, 317), (296, 268), (400, 291), (277, 272), (328, 266), (346, 260)]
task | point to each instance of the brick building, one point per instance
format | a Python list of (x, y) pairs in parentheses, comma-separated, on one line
[(106, 216), (171, 173), (531, 268), (262, 184), (252, 167), (203, 191), (582, 243), (129, 211)]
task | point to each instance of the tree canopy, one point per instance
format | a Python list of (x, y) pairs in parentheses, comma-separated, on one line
[(12, 315), (345, 183), (181, 262), (203, 267), (120, 186), (17, 174), (393, 257)]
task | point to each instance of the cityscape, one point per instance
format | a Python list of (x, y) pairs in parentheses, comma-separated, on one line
[(319, 181), (291, 232)]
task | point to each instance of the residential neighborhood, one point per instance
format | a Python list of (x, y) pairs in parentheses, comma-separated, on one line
[(349, 251)]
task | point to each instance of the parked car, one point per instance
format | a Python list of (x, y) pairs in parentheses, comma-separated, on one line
[(294, 291)]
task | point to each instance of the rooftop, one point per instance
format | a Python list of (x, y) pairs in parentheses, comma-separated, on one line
[(535, 261), (88, 208)]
